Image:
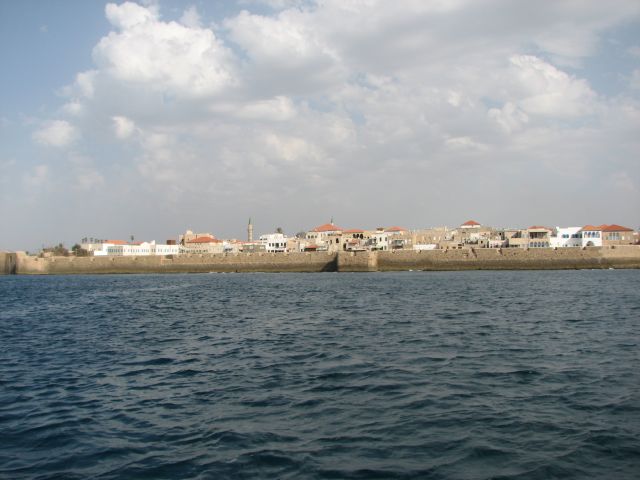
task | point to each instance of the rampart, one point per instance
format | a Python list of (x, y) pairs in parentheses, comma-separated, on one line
[(195, 263), (627, 256), (465, 259), (7, 263)]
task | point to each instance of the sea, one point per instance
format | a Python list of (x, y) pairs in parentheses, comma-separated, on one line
[(436, 375)]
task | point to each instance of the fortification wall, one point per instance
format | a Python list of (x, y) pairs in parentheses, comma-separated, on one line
[(357, 262), (511, 259), (197, 263), (7, 263), (478, 259)]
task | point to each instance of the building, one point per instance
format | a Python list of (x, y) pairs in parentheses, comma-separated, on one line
[(274, 242), (430, 238), (189, 236), (566, 237), (533, 237), (353, 240), (124, 249), (539, 237), (606, 235), (325, 237), (205, 244), (398, 238)]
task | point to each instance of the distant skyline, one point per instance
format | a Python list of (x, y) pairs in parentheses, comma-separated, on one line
[(151, 118)]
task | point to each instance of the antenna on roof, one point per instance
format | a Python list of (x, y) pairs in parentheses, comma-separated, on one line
[(331, 222)]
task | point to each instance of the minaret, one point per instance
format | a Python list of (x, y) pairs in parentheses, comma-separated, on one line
[(250, 231)]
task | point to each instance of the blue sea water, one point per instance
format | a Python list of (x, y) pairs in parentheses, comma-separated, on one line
[(461, 375)]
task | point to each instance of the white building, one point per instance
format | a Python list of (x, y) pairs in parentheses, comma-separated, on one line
[(274, 242), (591, 236), (379, 240), (567, 237), (122, 249), (424, 246)]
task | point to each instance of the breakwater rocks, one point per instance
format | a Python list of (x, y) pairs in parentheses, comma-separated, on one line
[(466, 259)]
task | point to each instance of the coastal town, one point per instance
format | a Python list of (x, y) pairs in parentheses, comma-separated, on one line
[(332, 238)]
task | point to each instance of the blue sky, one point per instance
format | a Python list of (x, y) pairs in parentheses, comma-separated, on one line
[(152, 118)]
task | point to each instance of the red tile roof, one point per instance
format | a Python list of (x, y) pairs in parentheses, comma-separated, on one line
[(606, 228), (470, 223), (396, 229), (205, 240), (353, 230), (615, 228), (117, 242), (327, 227)]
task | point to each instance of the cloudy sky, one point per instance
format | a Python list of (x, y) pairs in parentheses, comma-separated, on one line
[(149, 118)]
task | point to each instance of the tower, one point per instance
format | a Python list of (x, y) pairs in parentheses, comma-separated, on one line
[(250, 231)]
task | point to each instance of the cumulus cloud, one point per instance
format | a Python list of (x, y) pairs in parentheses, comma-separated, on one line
[(191, 18), (58, 133), (164, 56), (549, 91), (510, 118), (123, 127), (329, 106), (73, 108), (129, 15)]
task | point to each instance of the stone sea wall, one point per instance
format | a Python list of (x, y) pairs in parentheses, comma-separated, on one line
[(7, 263), (197, 263), (493, 259), (477, 259)]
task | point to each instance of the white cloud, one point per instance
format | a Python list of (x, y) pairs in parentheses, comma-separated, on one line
[(58, 133), (129, 15), (549, 91), (123, 127), (74, 108), (162, 56), (84, 82), (191, 18), (510, 118), (277, 109)]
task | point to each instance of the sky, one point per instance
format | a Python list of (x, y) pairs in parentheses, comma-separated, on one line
[(151, 118)]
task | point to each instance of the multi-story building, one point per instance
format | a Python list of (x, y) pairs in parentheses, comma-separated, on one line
[(188, 236), (539, 237), (353, 239), (606, 235), (533, 237), (274, 242), (566, 237), (204, 244), (324, 237)]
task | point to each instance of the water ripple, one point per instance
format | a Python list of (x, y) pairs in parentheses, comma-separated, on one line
[(474, 375)]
